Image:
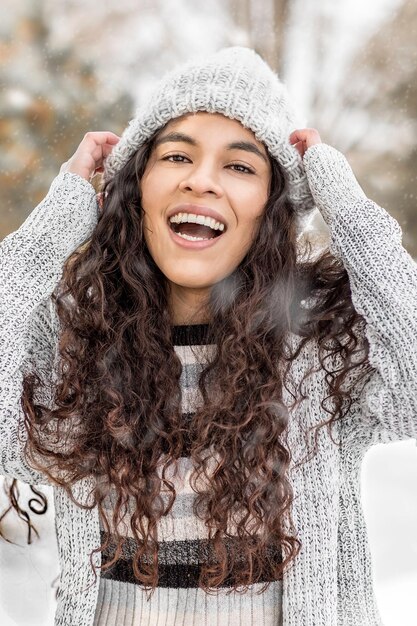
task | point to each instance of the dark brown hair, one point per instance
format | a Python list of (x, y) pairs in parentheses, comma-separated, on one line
[(11, 489), (116, 410)]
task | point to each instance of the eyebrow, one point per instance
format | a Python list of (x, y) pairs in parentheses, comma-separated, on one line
[(248, 146)]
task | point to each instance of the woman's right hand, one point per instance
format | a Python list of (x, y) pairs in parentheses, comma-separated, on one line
[(88, 158)]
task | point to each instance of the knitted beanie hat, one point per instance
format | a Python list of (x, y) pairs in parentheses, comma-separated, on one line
[(239, 84)]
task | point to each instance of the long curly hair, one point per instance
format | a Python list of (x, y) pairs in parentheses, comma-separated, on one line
[(115, 409), (12, 492)]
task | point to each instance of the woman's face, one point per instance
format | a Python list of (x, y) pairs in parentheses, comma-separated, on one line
[(203, 165)]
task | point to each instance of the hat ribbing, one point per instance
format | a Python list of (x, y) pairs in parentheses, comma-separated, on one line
[(237, 83)]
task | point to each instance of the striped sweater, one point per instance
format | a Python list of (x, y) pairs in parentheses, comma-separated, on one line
[(330, 581), (181, 536)]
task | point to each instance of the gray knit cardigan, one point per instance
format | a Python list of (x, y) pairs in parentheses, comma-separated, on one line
[(330, 582)]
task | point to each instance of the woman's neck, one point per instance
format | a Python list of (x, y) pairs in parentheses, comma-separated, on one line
[(188, 306)]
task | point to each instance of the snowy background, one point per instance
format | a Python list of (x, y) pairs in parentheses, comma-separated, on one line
[(68, 66)]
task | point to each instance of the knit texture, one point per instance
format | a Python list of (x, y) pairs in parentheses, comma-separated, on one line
[(237, 83), (182, 543), (330, 581)]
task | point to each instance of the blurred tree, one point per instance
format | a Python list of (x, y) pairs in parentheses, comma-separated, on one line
[(61, 78), (381, 87), (49, 102), (360, 94), (355, 77), (135, 41), (265, 24)]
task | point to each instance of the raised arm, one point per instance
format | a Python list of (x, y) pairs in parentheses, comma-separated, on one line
[(383, 279), (31, 261)]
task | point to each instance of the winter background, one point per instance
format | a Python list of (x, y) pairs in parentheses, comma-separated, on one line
[(69, 66)]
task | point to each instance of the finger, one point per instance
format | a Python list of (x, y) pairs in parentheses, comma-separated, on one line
[(302, 134), (107, 149), (102, 135), (299, 147), (98, 138), (101, 152), (113, 137), (297, 135)]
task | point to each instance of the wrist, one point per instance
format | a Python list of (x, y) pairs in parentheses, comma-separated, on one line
[(331, 179)]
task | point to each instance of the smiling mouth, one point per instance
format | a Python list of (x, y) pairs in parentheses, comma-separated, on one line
[(194, 232)]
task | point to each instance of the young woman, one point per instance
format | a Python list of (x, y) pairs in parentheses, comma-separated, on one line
[(197, 380)]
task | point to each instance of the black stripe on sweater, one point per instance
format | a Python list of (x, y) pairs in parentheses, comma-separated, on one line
[(190, 335), (178, 564)]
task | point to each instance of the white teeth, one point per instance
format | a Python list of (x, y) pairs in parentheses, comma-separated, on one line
[(182, 218), (191, 238)]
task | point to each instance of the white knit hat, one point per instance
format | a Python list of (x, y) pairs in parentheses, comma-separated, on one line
[(238, 83)]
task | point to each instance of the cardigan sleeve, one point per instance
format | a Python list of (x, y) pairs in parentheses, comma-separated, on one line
[(31, 261), (383, 280)]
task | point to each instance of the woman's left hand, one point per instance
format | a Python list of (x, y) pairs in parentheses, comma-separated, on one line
[(303, 138)]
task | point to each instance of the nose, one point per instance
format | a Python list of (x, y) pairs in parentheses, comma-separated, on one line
[(201, 179)]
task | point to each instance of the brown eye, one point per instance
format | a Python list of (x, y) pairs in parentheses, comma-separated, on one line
[(245, 170), (171, 156)]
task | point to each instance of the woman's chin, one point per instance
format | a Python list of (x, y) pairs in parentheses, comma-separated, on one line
[(191, 282)]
